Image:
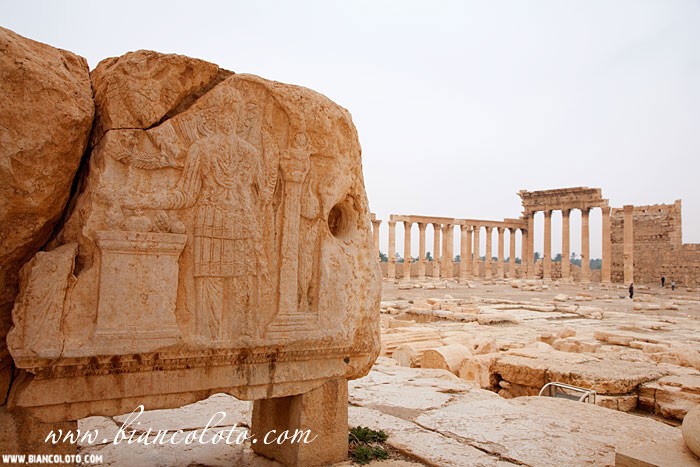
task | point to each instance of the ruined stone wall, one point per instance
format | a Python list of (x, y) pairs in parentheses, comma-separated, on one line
[(658, 246), (683, 265)]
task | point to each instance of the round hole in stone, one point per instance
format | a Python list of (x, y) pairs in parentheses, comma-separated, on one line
[(342, 218), (336, 220)]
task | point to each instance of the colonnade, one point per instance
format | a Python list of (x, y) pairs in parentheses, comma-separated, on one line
[(443, 246), (566, 245)]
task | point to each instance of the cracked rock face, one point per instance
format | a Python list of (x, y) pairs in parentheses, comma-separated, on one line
[(221, 230), (46, 112)]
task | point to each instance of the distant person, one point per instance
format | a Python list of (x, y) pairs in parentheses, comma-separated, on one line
[(673, 284), (663, 280), (631, 289)]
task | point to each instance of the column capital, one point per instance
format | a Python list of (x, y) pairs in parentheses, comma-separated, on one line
[(547, 213), (585, 211), (407, 223), (566, 212), (421, 225), (605, 210), (392, 223), (376, 222), (489, 229)]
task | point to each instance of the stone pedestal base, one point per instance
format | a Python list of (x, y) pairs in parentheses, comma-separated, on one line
[(323, 411), (20, 433)]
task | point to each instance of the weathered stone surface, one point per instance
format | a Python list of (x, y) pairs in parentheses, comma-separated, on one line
[(141, 89), (37, 314), (322, 413), (448, 357), (544, 430), (220, 243), (440, 421), (691, 430), (46, 113), (411, 355)]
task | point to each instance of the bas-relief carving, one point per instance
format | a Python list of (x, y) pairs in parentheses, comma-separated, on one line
[(238, 224)]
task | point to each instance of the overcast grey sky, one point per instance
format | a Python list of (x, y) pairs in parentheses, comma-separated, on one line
[(458, 104)]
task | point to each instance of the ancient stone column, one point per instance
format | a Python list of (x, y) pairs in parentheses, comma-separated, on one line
[(436, 251), (501, 247), (511, 260), (605, 272), (447, 256), (391, 267), (463, 252), (489, 251), (467, 258), (407, 250), (565, 245), (585, 247), (530, 245), (523, 252), (375, 237), (477, 257), (421, 250), (628, 244), (547, 254)]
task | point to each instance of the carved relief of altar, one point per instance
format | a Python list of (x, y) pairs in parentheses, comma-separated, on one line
[(137, 288)]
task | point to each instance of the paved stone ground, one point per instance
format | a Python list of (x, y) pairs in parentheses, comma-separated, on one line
[(434, 417)]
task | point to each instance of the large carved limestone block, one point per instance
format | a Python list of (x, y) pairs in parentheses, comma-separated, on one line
[(46, 112), (223, 245)]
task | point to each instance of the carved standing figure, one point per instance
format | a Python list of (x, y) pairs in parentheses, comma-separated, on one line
[(225, 180)]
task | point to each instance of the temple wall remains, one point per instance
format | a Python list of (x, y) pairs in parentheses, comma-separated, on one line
[(658, 246)]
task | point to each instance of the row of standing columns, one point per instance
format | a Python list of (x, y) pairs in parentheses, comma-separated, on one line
[(566, 246), (443, 241), (470, 246)]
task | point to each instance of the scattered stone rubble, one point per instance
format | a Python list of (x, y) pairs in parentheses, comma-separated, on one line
[(637, 360)]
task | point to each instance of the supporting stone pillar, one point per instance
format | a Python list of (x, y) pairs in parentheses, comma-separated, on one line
[(511, 260), (477, 254), (530, 245), (565, 245), (463, 258), (489, 252), (322, 411), (605, 271), (547, 254), (524, 244), (585, 247), (628, 244), (391, 267), (421, 250), (436, 251), (501, 256), (447, 246), (467, 258), (407, 250), (375, 237)]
